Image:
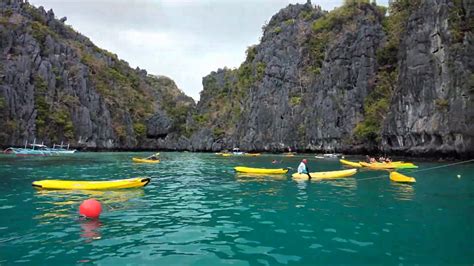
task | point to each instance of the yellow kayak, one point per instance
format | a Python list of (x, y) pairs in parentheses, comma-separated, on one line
[(325, 175), (393, 165), (92, 185), (226, 154), (252, 154), (244, 169), (349, 163), (397, 177), (141, 160)]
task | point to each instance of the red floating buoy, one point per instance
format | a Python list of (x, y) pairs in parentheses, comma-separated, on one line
[(90, 208)]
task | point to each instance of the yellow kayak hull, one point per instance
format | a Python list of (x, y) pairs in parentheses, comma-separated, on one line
[(92, 185), (226, 154), (388, 165), (397, 177), (243, 169), (140, 160), (252, 154), (349, 163), (325, 175)]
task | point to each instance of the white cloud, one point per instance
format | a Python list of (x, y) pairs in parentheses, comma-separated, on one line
[(142, 38)]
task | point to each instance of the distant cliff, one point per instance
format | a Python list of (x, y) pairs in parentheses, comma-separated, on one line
[(56, 85), (360, 78), (350, 80)]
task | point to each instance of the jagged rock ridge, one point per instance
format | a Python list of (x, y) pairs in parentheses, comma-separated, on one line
[(345, 81), (56, 85), (350, 80)]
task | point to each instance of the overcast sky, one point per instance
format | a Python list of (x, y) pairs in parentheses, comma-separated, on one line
[(182, 39)]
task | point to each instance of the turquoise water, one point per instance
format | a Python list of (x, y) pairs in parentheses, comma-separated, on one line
[(198, 211)]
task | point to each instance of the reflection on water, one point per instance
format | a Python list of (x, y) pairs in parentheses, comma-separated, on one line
[(90, 228), (402, 191), (344, 183), (249, 177), (63, 203)]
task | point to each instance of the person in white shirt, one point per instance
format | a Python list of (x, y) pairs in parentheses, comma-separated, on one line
[(302, 168)]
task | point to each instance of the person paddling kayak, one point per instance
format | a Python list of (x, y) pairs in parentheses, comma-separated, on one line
[(154, 157), (303, 168)]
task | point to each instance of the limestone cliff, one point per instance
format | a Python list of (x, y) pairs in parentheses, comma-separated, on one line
[(56, 85), (351, 80), (432, 109), (304, 85)]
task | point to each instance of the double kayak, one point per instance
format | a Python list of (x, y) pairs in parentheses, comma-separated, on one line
[(251, 170), (393, 165), (325, 175), (92, 185), (349, 163), (141, 160), (397, 177)]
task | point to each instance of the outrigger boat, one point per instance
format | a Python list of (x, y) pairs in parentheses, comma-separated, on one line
[(39, 150), (35, 150), (60, 150)]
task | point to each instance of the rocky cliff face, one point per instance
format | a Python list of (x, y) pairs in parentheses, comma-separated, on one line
[(56, 85), (307, 85), (432, 110), (349, 80)]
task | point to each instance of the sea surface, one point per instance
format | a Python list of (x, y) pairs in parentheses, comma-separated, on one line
[(198, 211)]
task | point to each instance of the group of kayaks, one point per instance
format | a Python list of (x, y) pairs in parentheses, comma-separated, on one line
[(394, 176), (143, 181), (296, 176), (377, 165)]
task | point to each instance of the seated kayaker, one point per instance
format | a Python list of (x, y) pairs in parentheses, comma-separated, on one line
[(370, 159), (302, 168), (154, 157)]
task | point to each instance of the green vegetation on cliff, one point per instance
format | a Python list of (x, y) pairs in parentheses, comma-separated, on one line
[(377, 103), (326, 28), (80, 92), (460, 23), (228, 90), (171, 101), (53, 120)]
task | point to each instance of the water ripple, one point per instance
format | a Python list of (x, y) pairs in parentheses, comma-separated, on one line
[(198, 211)]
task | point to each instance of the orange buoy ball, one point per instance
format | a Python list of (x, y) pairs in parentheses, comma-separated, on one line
[(90, 208)]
